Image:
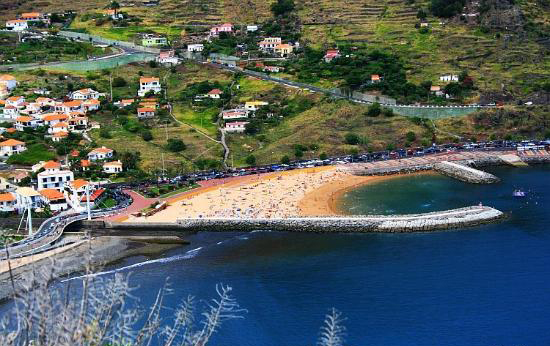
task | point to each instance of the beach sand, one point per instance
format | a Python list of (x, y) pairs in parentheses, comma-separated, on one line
[(305, 192)]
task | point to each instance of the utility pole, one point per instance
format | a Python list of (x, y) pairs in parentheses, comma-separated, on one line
[(29, 216), (111, 84), (163, 169), (88, 201)]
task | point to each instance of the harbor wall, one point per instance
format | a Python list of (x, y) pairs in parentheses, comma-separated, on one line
[(465, 173), (441, 220)]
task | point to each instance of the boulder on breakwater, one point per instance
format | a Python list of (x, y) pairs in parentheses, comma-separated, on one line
[(465, 173)]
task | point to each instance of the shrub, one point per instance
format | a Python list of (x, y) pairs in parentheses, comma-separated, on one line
[(374, 110), (411, 136), (323, 156), (105, 133), (285, 160), (119, 82), (352, 139), (250, 160), (388, 112), (146, 135), (175, 145)]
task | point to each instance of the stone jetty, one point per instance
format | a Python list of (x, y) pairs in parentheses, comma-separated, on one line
[(465, 173), (441, 220)]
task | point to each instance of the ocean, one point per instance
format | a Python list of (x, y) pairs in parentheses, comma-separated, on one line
[(487, 285)]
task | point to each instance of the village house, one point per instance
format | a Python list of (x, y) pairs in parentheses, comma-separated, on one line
[(59, 136), (31, 108), (198, 47), (124, 103), (45, 102), (114, 14), (269, 43), (145, 113), (27, 197), (85, 94), (52, 118), (35, 17), (375, 78), (100, 154), (16, 101), (17, 25), (55, 199), (85, 165), (8, 202), (59, 127), (10, 147), (113, 167), (91, 105), (253, 106), (234, 114), (215, 31), (147, 84), (53, 177), (449, 78), (11, 112), (436, 90), (9, 81), (283, 50), (237, 126), (69, 106), (272, 69), (151, 40), (168, 58), (23, 122), (75, 193), (5, 185), (215, 93), (251, 28), (78, 123), (331, 54)]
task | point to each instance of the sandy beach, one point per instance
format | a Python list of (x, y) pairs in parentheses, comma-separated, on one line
[(306, 192)]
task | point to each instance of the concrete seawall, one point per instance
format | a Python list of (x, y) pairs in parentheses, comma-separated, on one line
[(442, 220), (465, 173)]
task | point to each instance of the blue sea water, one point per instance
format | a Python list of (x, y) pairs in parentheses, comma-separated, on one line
[(488, 285)]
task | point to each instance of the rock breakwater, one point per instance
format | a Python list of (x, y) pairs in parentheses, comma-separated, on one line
[(465, 173)]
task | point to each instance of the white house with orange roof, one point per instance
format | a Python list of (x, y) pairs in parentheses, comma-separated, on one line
[(51, 119), (85, 94), (99, 154), (27, 196), (23, 122), (35, 17), (283, 49), (78, 123), (17, 25), (75, 193), (9, 81), (124, 103), (11, 112), (45, 102), (59, 127), (69, 106), (145, 112), (113, 167), (91, 105), (16, 101), (168, 58), (59, 136), (10, 147), (147, 84), (215, 93), (8, 202), (53, 177), (55, 199)]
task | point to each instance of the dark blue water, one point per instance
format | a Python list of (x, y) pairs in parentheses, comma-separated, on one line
[(488, 285)]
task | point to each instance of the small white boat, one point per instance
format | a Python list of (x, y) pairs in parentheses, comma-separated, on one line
[(518, 193)]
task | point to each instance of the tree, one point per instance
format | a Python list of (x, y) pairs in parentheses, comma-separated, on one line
[(146, 135), (411, 136), (447, 8), (251, 160), (374, 110), (119, 82), (130, 160), (175, 145), (114, 6), (285, 160), (421, 14), (352, 139), (298, 153), (282, 7), (387, 112)]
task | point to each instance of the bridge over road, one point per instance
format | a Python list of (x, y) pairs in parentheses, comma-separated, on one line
[(441, 220)]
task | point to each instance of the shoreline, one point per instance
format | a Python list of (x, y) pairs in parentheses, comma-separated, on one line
[(326, 200)]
